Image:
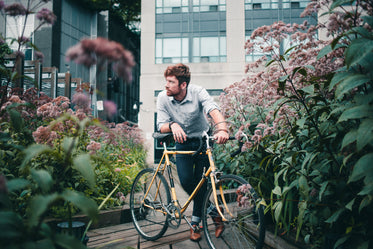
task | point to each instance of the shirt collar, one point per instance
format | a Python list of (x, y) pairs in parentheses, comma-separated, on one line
[(187, 98)]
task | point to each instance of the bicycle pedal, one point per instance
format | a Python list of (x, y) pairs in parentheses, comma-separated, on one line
[(157, 205)]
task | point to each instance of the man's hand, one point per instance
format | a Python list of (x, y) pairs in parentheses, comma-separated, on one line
[(221, 136), (178, 132)]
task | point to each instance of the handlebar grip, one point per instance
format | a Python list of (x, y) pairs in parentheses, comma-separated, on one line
[(199, 150), (238, 151)]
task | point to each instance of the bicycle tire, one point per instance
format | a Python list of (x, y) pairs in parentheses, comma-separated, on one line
[(245, 229), (150, 223)]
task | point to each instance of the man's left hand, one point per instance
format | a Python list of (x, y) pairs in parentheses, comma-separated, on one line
[(221, 137)]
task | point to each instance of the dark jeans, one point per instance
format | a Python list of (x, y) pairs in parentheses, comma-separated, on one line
[(190, 170)]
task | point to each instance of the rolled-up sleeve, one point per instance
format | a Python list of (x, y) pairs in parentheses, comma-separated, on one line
[(162, 114), (207, 101)]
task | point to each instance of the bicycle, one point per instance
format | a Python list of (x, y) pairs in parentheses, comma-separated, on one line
[(154, 205)]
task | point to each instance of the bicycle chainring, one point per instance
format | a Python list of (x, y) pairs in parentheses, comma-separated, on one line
[(174, 219)]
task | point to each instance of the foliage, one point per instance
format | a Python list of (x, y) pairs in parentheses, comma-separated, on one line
[(38, 191), (128, 10), (309, 120)]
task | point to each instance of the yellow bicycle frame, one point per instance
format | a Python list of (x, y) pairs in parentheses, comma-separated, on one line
[(166, 164)]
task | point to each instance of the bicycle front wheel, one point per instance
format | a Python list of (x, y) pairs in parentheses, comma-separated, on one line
[(147, 202), (244, 227)]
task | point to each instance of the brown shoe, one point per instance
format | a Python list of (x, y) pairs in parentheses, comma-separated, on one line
[(195, 235), (219, 225)]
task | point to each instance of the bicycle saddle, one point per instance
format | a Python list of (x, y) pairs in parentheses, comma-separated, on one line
[(162, 137)]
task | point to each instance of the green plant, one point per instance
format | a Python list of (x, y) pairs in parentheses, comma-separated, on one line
[(308, 116)]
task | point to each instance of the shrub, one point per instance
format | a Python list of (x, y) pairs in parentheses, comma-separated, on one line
[(308, 116)]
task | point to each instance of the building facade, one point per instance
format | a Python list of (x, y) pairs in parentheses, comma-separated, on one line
[(207, 35)]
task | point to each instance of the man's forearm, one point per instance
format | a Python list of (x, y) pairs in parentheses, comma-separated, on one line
[(219, 120)]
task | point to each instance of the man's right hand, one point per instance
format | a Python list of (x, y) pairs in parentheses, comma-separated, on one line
[(178, 132)]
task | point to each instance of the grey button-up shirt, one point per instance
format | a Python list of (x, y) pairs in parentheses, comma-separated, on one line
[(189, 113)]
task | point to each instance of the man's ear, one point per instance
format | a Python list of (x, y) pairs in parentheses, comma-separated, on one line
[(183, 85)]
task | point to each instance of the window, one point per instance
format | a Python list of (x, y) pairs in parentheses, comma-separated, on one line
[(209, 49), (294, 4), (257, 6), (171, 50), (171, 6), (14, 26), (261, 4), (208, 5), (187, 37)]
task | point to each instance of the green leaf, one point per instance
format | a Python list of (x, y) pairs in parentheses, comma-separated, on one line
[(367, 189), (356, 112), (88, 206), (361, 168), (302, 209), (16, 120), (349, 138), (301, 122), (67, 143), (338, 3), (38, 206), (324, 51), (309, 89), (277, 190), (33, 151), (82, 163), (368, 20), (17, 184), (338, 77), (335, 216), (11, 226), (349, 205), (340, 242), (303, 186), (350, 82), (278, 207), (43, 179), (68, 242), (364, 134), (359, 51), (324, 185), (365, 202)]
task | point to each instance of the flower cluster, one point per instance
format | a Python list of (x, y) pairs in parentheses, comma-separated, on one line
[(244, 197), (93, 147), (46, 16), (96, 51)]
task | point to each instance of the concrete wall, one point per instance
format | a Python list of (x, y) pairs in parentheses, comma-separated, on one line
[(208, 75)]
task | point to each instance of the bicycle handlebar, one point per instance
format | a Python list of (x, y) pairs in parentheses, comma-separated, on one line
[(165, 136)]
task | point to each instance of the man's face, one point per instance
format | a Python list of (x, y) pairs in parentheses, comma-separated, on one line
[(172, 86)]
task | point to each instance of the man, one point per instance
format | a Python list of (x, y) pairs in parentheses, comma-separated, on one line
[(182, 110)]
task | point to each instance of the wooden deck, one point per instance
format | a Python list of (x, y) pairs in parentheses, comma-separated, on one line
[(126, 236)]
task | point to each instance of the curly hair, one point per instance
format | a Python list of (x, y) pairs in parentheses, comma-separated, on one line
[(180, 71)]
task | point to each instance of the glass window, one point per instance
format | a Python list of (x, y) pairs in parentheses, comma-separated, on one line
[(171, 50), (208, 5), (209, 49), (171, 6)]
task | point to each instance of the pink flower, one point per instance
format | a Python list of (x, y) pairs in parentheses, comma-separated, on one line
[(93, 147), (81, 100), (46, 16), (117, 169), (39, 56), (15, 9), (92, 51), (44, 135), (2, 5), (110, 108)]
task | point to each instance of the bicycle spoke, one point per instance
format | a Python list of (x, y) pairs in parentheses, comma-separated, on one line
[(148, 221)]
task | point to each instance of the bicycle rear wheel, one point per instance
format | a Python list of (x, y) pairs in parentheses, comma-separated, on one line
[(148, 213), (244, 227)]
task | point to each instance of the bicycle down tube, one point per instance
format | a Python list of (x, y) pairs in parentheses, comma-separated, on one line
[(167, 165)]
